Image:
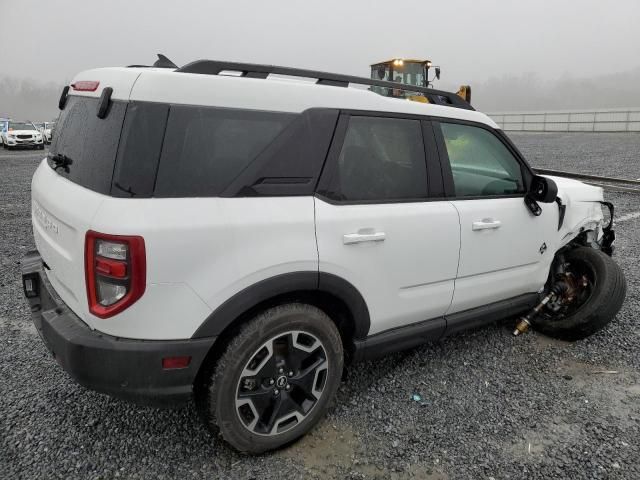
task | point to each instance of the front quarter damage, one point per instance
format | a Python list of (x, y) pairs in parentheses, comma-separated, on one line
[(584, 215)]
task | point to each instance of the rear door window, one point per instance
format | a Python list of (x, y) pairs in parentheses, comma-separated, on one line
[(90, 142), (206, 148), (381, 160)]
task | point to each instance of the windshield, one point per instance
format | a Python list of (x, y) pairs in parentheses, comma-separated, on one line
[(409, 73), (21, 126)]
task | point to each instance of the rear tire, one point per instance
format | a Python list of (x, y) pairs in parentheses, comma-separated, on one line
[(608, 293), (275, 379)]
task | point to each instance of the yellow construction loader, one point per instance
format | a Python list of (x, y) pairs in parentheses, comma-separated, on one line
[(410, 72)]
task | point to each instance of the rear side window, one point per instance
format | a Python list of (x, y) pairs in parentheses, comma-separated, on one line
[(480, 163), (139, 150), (90, 142), (205, 148), (382, 159)]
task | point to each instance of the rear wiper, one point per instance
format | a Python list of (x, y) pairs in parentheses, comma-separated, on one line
[(60, 161), (126, 190)]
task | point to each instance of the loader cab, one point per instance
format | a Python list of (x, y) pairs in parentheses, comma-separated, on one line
[(406, 71), (412, 72)]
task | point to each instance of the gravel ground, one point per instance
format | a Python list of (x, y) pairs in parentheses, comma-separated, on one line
[(493, 406), (606, 154)]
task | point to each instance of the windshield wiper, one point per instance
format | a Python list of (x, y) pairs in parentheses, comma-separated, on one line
[(126, 190), (60, 161)]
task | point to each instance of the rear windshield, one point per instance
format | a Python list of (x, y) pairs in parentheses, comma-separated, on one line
[(89, 142)]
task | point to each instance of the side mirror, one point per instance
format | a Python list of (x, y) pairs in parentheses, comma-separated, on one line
[(438, 73), (543, 189)]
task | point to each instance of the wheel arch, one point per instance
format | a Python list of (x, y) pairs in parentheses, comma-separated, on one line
[(338, 298)]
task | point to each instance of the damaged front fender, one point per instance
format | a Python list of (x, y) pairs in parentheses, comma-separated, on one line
[(581, 211)]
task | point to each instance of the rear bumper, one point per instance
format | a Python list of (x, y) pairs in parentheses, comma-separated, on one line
[(125, 368)]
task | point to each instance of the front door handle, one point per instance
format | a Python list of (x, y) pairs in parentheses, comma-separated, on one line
[(486, 224), (351, 238)]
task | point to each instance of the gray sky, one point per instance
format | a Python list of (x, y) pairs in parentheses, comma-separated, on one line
[(471, 39), (474, 41)]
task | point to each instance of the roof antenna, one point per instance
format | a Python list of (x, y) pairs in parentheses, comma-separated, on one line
[(164, 62)]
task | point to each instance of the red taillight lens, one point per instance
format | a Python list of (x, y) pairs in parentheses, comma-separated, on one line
[(85, 86), (115, 268)]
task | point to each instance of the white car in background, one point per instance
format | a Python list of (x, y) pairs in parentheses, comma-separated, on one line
[(47, 131), (22, 134), (4, 125)]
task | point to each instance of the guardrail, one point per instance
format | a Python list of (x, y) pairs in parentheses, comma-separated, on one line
[(613, 120), (608, 183)]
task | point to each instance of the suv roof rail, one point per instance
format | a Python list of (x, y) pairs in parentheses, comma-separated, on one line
[(251, 70)]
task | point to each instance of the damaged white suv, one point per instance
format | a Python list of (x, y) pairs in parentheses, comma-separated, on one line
[(240, 238)]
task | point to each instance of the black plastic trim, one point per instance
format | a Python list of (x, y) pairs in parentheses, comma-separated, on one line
[(63, 97), (492, 312), (434, 169), (104, 103), (398, 339), (608, 234), (410, 336), (287, 283), (351, 297), (125, 368), (291, 164)]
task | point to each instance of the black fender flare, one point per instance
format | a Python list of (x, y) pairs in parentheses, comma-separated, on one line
[(283, 284)]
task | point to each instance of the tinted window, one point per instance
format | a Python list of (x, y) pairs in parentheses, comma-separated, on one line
[(381, 159), (90, 142), (139, 150), (480, 163), (206, 148)]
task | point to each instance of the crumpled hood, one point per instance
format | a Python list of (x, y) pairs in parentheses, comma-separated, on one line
[(583, 210)]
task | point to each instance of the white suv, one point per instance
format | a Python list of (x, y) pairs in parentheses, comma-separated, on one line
[(21, 134), (241, 238)]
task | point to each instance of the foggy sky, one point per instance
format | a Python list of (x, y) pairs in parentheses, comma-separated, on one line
[(473, 41)]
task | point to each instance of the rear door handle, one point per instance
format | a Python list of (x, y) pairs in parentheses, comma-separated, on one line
[(351, 238), (486, 224)]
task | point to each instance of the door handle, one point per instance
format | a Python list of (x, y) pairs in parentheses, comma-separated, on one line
[(351, 238), (486, 224)]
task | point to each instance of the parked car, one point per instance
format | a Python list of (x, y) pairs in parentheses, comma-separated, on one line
[(47, 131), (239, 240), (4, 125), (22, 134)]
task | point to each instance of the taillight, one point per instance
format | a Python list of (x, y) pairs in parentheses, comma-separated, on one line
[(115, 268)]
